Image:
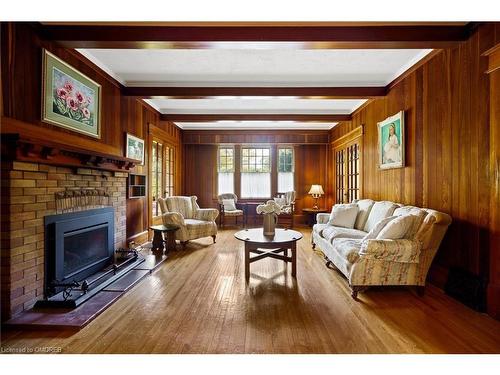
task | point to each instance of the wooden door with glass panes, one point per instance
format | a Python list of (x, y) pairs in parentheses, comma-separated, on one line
[(162, 173), (347, 164)]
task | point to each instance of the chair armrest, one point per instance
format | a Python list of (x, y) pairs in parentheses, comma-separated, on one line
[(206, 214), (401, 251), (173, 218), (322, 218)]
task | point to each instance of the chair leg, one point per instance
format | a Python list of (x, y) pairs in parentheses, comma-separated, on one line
[(183, 244), (313, 245), (213, 237)]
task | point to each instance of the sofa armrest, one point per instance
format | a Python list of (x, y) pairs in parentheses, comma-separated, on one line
[(173, 218), (401, 251), (322, 218), (206, 214)]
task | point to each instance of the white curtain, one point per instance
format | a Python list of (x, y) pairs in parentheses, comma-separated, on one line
[(285, 182), (256, 185), (225, 183)]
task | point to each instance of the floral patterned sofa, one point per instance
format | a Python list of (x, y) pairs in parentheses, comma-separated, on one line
[(370, 262), (194, 222)]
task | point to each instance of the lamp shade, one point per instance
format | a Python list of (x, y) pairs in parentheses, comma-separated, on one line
[(316, 190)]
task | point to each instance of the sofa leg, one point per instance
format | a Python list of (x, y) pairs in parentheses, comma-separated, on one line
[(329, 264), (354, 292), (313, 245), (421, 290), (213, 238)]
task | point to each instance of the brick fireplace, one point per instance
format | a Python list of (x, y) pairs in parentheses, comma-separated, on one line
[(28, 195)]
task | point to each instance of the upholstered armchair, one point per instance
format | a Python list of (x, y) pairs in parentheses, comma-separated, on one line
[(286, 202), (194, 222), (236, 211)]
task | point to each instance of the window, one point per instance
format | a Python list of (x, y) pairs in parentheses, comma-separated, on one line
[(255, 172), (225, 170), (285, 169), (156, 175), (169, 171)]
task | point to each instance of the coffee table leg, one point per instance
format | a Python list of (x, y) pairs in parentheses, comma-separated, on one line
[(294, 260), (247, 261), (157, 241)]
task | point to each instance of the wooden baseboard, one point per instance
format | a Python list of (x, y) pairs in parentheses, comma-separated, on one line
[(139, 238), (493, 300)]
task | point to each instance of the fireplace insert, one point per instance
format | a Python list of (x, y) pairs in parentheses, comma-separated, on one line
[(77, 245)]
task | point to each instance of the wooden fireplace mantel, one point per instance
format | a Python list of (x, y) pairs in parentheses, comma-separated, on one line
[(21, 146)]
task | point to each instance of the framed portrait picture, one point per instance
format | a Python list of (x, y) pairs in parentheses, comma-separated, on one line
[(391, 144), (69, 98), (135, 148)]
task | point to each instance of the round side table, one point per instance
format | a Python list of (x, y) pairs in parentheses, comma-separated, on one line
[(158, 242)]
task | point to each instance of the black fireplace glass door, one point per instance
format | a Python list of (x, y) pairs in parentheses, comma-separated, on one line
[(84, 248)]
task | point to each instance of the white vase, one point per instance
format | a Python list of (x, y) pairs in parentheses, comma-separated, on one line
[(270, 222)]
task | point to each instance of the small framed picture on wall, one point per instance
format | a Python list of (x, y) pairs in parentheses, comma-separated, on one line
[(134, 148), (391, 142)]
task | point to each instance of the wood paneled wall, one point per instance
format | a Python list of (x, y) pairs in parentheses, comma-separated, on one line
[(446, 104), (200, 177), (21, 89)]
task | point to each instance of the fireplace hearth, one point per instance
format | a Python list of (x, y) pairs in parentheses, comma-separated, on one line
[(79, 249)]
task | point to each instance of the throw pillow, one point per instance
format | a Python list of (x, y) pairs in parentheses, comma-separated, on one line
[(280, 201), (396, 228), (378, 227), (229, 204), (343, 215)]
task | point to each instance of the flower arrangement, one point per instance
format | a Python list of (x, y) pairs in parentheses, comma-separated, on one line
[(72, 103), (270, 207)]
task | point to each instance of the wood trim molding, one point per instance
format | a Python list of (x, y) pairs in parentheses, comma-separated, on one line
[(349, 137), (311, 36), (34, 150), (207, 92), (411, 69), (493, 55), (157, 132), (25, 129)]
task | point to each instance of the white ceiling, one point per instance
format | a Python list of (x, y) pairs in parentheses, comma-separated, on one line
[(254, 67), (258, 67), (253, 105)]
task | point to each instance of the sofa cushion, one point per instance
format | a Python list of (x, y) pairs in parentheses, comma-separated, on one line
[(348, 248), (396, 228), (331, 232), (199, 227), (379, 211), (229, 205), (343, 215), (364, 208), (371, 235), (411, 210)]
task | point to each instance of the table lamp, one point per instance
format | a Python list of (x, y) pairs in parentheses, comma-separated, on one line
[(316, 191)]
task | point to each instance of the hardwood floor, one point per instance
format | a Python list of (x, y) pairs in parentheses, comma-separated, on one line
[(198, 302)]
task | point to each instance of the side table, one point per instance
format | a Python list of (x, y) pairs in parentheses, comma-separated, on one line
[(158, 242), (311, 214)]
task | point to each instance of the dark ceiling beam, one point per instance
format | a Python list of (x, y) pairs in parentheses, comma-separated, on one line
[(302, 92), (376, 36), (253, 117)]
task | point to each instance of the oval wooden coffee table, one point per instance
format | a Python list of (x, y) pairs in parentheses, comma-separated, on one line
[(269, 246)]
